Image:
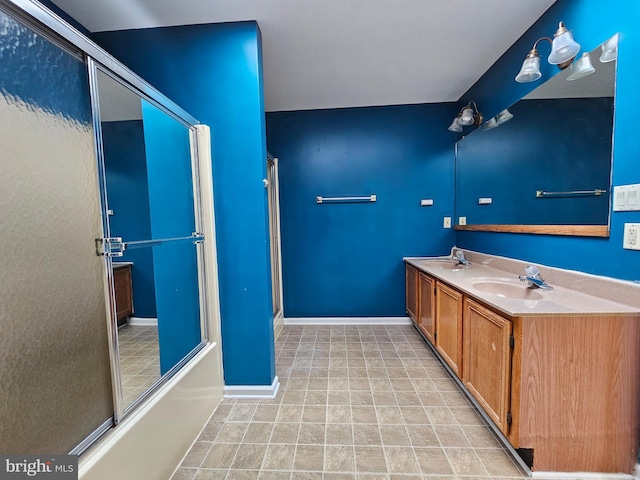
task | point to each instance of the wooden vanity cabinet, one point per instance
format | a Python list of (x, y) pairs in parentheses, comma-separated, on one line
[(487, 342), (449, 326), (427, 306), (124, 292), (411, 285)]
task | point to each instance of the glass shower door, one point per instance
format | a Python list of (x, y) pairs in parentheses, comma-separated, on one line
[(54, 351), (153, 216)]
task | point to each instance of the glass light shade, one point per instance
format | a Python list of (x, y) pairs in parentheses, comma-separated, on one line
[(504, 116), (609, 50), (581, 68), (455, 126), (467, 117), (564, 47), (530, 70), (491, 123)]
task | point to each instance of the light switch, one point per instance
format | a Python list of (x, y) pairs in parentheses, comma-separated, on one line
[(447, 222), (462, 220), (626, 198)]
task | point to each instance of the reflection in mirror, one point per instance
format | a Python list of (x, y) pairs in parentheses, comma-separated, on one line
[(150, 196), (546, 160)]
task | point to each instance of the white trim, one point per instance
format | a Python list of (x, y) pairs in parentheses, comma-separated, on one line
[(636, 471), (278, 323), (252, 391), (581, 476), (348, 321), (142, 322)]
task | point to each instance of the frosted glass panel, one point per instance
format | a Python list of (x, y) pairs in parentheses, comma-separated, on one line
[(54, 362)]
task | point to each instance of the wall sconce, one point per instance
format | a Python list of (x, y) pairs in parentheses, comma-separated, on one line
[(503, 117), (563, 50), (581, 68), (469, 115), (609, 50)]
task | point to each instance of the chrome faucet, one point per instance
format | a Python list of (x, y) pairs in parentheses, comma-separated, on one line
[(462, 260), (533, 278)]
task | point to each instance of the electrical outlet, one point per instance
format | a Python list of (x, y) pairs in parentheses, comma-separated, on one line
[(447, 222), (631, 238), (462, 220)]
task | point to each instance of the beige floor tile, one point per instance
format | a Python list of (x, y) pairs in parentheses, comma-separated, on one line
[(258, 433), (394, 435), (220, 455), (432, 461), (210, 431), (196, 455), (311, 433), (285, 433), (338, 397), (265, 413), (289, 413), (338, 414), (309, 457), (338, 434), (270, 475), (451, 436), (211, 474), (370, 459), (366, 434), (497, 462), (464, 461), (314, 414), (279, 457), (401, 460), (184, 474), (362, 414), (249, 457), (423, 436), (232, 432), (339, 458), (481, 437)]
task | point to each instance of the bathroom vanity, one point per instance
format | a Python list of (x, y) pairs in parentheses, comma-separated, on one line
[(555, 371), (124, 291)]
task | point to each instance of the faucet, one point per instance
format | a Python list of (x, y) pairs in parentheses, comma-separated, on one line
[(533, 278), (462, 260)]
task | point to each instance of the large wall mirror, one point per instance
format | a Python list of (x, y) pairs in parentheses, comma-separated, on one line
[(544, 164)]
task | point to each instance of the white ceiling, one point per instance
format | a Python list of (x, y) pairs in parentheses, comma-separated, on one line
[(346, 53)]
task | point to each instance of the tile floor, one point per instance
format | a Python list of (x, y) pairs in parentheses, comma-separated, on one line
[(139, 360), (355, 403)]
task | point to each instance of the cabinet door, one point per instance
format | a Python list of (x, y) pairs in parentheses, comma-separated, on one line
[(449, 326), (487, 360), (122, 287), (412, 292), (426, 312)]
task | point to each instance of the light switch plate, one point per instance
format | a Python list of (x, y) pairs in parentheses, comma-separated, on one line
[(631, 238), (626, 198), (462, 220), (447, 222)]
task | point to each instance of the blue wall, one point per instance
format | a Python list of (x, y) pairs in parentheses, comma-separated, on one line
[(557, 145), (346, 259), (215, 73), (168, 154), (592, 21), (128, 197)]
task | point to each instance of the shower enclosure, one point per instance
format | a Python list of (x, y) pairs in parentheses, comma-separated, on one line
[(97, 167)]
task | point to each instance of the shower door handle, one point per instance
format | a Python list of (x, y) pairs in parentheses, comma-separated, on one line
[(110, 247)]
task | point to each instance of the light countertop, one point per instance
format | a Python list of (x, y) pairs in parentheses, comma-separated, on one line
[(487, 284)]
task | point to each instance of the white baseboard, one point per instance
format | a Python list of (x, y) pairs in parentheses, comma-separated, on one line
[(581, 476), (252, 391), (348, 321), (142, 322)]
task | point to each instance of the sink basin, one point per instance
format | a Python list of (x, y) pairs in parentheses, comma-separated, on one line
[(508, 290)]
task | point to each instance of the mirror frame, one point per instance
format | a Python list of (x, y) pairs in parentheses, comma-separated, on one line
[(566, 230)]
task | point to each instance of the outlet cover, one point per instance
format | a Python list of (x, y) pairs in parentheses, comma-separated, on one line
[(462, 220), (447, 222), (631, 239)]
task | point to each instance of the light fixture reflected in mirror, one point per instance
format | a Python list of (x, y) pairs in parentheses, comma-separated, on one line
[(469, 115), (455, 125), (609, 50), (491, 123), (563, 50), (581, 68), (504, 116)]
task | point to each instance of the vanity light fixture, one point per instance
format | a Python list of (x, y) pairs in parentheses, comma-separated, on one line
[(563, 50), (609, 50), (504, 116), (469, 115), (581, 68), (455, 125)]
